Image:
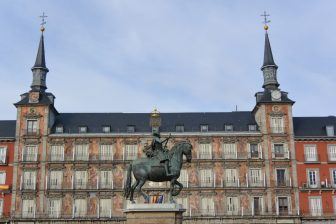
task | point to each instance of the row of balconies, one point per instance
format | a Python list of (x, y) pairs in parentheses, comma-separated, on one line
[(85, 185), (323, 185), (232, 156)]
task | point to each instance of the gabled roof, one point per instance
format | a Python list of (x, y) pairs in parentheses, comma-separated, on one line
[(7, 129), (119, 121), (312, 126)]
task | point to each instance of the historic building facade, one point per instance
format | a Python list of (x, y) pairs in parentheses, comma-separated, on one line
[(7, 133), (71, 167), (316, 164)]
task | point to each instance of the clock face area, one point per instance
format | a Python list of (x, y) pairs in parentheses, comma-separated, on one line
[(276, 95), (34, 97)]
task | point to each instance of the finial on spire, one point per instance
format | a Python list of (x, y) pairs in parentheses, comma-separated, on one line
[(43, 22), (266, 20)]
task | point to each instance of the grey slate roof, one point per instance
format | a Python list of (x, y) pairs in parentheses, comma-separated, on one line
[(268, 56), (312, 126), (44, 99), (7, 129), (40, 57), (266, 97), (119, 121)]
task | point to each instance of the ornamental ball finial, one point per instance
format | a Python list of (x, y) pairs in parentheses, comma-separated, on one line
[(265, 27), (42, 29)]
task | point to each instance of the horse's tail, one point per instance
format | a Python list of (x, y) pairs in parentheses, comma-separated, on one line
[(128, 182)]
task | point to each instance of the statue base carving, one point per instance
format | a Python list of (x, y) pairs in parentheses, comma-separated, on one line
[(154, 213)]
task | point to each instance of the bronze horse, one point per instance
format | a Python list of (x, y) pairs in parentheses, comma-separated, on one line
[(151, 169)]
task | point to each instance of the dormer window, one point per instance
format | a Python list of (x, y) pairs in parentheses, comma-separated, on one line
[(130, 129), (106, 129), (252, 127), (228, 127), (179, 128), (330, 130), (204, 127), (82, 129), (59, 129)]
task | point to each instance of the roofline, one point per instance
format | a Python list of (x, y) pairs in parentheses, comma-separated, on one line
[(149, 134), (7, 138), (303, 138)]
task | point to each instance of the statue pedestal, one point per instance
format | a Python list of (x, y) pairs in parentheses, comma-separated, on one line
[(154, 213)]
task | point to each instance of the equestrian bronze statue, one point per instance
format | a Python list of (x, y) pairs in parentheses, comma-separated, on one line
[(160, 165)]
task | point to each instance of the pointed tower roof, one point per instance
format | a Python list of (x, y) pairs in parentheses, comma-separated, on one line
[(40, 57), (268, 56)]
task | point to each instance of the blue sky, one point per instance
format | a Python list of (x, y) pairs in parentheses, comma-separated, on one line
[(177, 55)]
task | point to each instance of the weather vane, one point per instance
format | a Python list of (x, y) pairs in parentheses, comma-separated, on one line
[(43, 21), (266, 21)]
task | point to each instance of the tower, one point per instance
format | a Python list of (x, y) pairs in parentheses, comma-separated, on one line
[(273, 114), (35, 117)]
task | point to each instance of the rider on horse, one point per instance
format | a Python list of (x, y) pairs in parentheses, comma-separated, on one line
[(160, 151)]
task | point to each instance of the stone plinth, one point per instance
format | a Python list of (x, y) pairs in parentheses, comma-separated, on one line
[(154, 213)]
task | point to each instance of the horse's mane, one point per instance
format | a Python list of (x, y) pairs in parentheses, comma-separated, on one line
[(177, 146)]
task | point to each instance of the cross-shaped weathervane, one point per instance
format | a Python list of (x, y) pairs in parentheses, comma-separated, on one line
[(43, 20), (265, 15)]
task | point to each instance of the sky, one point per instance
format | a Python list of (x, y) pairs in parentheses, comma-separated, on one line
[(176, 55)]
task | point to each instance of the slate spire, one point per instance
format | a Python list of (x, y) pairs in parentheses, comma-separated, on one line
[(39, 69), (269, 67)]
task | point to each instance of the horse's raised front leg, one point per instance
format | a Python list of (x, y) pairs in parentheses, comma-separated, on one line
[(132, 191), (172, 183), (138, 189)]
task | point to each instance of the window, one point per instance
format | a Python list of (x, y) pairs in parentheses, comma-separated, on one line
[(81, 152), (283, 206), (130, 129), (3, 154), (131, 152), (255, 177), (315, 205), (59, 129), (310, 153), (183, 179), (313, 178), (333, 177), (54, 207), (1, 207), (105, 179), (230, 151), (105, 207), (334, 203), (106, 129), (56, 178), (30, 153), (57, 153), (206, 178), (228, 127), (207, 206), (205, 151), (106, 152), (179, 128), (28, 208), (231, 178), (29, 180), (82, 129), (277, 125), (232, 205), (80, 207), (31, 127), (204, 127), (330, 130), (281, 178), (280, 150), (254, 151), (332, 152), (257, 205), (80, 179), (2, 177), (252, 127)]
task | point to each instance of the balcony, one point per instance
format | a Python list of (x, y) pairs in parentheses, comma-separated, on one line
[(322, 186), (29, 157), (234, 155), (28, 186), (31, 132), (277, 130), (281, 155), (284, 183), (314, 158)]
